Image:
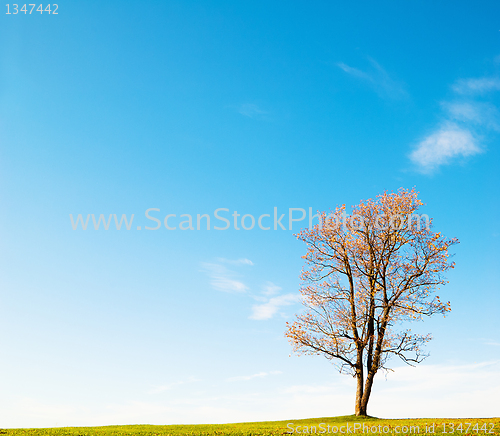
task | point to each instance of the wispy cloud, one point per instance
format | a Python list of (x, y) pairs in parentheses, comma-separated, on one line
[(235, 262), (477, 113), (250, 110), (444, 145), (378, 78), (224, 279), (355, 72), (250, 377), (488, 341), (270, 288), (461, 390), (167, 387), (468, 390), (479, 85), (271, 307)]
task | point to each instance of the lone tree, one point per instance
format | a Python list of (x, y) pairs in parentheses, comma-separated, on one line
[(366, 274)]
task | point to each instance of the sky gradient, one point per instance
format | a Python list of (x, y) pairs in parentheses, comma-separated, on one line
[(188, 107)]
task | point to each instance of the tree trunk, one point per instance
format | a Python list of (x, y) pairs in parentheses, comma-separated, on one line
[(366, 393), (362, 410), (358, 410)]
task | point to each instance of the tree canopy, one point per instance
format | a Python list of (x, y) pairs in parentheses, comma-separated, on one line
[(366, 274)]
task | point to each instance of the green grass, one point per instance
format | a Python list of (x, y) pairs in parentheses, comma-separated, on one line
[(486, 426)]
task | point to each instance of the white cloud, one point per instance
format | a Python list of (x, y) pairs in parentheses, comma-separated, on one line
[(479, 85), (444, 145), (268, 309), (250, 377), (223, 279), (377, 78), (464, 119)]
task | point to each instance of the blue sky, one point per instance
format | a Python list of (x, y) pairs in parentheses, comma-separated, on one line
[(188, 107)]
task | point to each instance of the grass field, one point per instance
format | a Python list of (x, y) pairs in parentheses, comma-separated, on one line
[(340, 425)]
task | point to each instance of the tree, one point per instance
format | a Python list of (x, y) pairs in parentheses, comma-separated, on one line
[(366, 275)]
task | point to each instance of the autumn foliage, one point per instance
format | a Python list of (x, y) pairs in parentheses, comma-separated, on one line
[(366, 274)]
